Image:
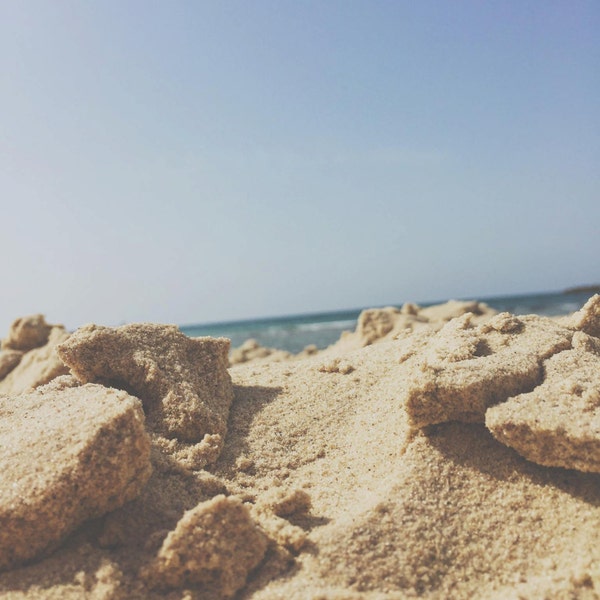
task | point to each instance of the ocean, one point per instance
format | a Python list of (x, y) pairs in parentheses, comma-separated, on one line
[(293, 333)]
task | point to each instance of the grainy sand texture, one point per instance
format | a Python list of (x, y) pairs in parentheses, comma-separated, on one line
[(447, 452)]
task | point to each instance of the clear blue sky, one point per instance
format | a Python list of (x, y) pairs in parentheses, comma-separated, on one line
[(198, 161)]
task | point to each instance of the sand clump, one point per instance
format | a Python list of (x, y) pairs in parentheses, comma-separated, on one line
[(215, 544), (455, 458), (533, 381), (183, 382), (27, 333), (252, 351), (461, 370), (28, 358), (558, 423), (68, 454)]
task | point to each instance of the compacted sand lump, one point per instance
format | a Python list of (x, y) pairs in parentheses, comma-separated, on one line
[(558, 423), (69, 453), (183, 382)]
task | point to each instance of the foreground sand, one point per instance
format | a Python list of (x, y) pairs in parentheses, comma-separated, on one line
[(436, 453)]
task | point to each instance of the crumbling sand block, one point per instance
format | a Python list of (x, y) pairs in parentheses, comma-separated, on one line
[(27, 333), (9, 359), (36, 367), (463, 369), (183, 382), (273, 510), (68, 453), (283, 502), (215, 544), (558, 423), (280, 530)]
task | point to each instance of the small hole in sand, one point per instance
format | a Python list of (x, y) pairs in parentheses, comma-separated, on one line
[(482, 349)]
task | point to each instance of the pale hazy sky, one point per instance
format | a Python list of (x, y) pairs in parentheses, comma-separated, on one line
[(189, 162)]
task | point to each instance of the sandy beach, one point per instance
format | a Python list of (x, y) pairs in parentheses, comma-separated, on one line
[(445, 452)]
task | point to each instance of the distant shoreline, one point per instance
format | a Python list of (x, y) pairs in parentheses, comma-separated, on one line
[(592, 289)]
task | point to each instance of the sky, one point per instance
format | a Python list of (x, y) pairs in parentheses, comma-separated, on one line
[(202, 161)]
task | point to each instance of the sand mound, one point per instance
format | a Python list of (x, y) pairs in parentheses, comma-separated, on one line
[(374, 325), (349, 475), (462, 517), (252, 351), (384, 324)]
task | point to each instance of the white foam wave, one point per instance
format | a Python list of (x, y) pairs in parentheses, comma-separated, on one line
[(337, 325)]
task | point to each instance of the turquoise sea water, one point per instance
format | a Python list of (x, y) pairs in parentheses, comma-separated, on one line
[(295, 332)]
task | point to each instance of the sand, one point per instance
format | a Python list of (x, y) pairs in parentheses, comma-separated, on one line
[(434, 453)]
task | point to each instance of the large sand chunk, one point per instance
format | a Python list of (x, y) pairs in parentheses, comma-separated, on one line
[(27, 333), (558, 423), (215, 544), (183, 382), (463, 369), (36, 367), (67, 454)]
